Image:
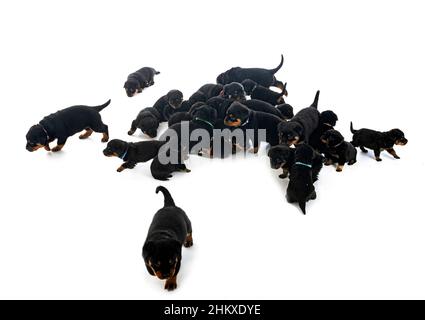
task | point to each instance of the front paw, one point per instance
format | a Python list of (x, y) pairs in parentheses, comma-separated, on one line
[(47, 148), (170, 285), (378, 159), (120, 169), (339, 168), (130, 132), (57, 149), (396, 157)]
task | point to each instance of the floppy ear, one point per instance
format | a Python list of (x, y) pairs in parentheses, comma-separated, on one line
[(148, 249)]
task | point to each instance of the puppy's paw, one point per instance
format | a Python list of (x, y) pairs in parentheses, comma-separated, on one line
[(57, 148), (396, 157), (120, 169), (189, 241), (339, 168), (186, 170), (105, 137), (378, 159), (283, 175), (170, 284), (130, 132), (47, 148)]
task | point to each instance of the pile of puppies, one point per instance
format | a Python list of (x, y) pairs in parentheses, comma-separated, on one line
[(298, 144)]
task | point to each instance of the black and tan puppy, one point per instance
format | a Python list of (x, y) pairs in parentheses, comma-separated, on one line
[(301, 126), (327, 121), (169, 231), (139, 80), (147, 121), (256, 91), (207, 91), (162, 170), (300, 187), (337, 150), (234, 91), (169, 103), (65, 123), (286, 111), (132, 153), (240, 116), (264, 77), (283, 157), (378, 141)]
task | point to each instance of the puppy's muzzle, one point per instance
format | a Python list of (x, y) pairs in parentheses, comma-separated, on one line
[(109, 153), (232, 122), (401, 142)]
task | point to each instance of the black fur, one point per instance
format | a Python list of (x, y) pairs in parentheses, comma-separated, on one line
[(256, 91), (184, 116), (132, 153), (169, 231), (300, 187), (206, 92), (234, 91), (65, 123), (378, 141), (301, 126), (327, 121), (286, 111), (337, 150), (139, 80), (148, 121), (170, 103), (264, 77), (283, 157), (240, 116)]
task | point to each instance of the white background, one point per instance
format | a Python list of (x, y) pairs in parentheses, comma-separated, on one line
[(72, 227)]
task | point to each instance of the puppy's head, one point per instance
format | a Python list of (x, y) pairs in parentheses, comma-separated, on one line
[(290, 133), (206, 113), (304, 153), (236, 115), (281, 156), (398, 137), (162, 257), (328, 117), (286, 110), (249, 86), (131, 88), (223, 78), (175, 98), (234, 91), (332, 138), (36, 138), (115, 148), (195, 107)]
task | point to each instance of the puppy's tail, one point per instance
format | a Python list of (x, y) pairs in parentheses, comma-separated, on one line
[(168, 200), (103, 106), (279, 66), (316, 100), (351, 128), (302, 206), (156, 72)]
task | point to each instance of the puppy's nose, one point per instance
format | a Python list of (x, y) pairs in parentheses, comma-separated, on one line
[(29, 148)]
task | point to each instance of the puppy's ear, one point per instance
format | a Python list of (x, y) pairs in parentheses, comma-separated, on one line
[(148, 249)]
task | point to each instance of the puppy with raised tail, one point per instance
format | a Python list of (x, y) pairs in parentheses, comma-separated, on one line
[(169, 231), (378, 141)]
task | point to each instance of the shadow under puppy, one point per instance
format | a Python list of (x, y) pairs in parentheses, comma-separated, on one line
[(327, 121), (169, 231), (337, 150), (139, 80), (264, 77), (283, 157), (240, 116), (378, 141), (65, 123), (132, 153), (300, 187), (256, 91), (301, 126)]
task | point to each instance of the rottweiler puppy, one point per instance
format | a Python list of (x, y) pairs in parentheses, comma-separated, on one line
[(205, 92), (161, 170), (132, 153), (286, 111), (169, 231), (147, 121), (327, 121), (283, 157), (264, 77), (170, 103), (337, 150), (378, 141), (139, 80), (65, 123), (184, 116), (301, 126), (300, 187), (240, 116), (256, 91), (234, 91)]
